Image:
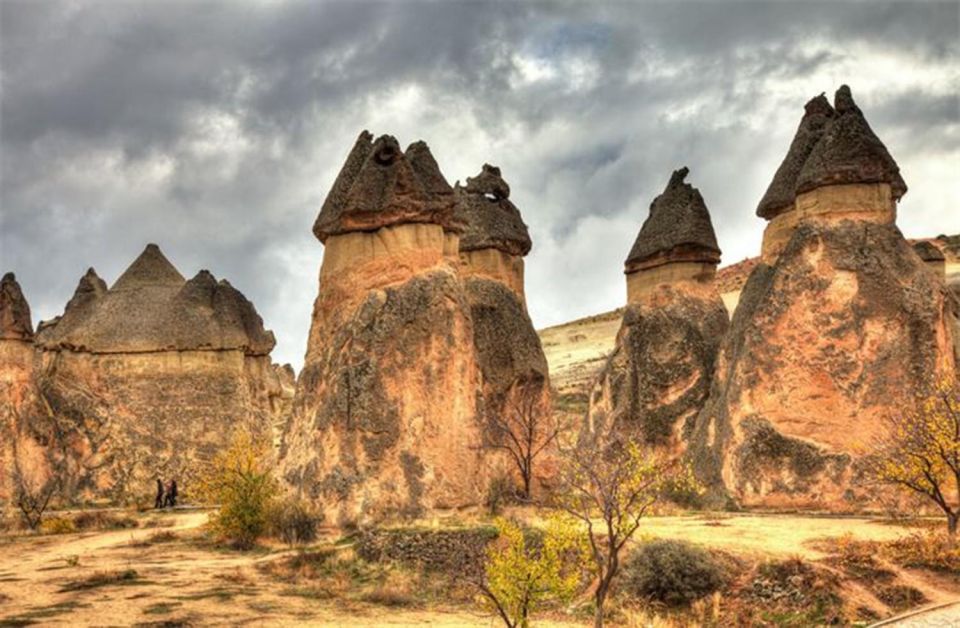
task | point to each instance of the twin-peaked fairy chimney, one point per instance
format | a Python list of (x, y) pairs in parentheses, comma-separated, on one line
[(658, 376), (836, 168), (149, 377), (516, 386), (387, 416), (838, 327)]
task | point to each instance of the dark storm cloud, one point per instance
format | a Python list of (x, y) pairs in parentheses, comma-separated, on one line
[(215, 128)]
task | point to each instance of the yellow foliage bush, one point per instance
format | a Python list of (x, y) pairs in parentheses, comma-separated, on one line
[(241, 481), (523, 573)]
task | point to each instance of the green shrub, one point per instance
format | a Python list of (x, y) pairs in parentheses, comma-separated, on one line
[(294, 522), (674, 573)]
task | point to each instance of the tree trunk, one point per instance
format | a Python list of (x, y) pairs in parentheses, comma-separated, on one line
[(599, 598), (952, 519), (526, 485)]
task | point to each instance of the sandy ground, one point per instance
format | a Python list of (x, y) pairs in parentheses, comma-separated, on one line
[(184, 581)]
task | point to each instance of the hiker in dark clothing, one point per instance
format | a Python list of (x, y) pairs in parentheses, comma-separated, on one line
[(158, 503), (172, 493)]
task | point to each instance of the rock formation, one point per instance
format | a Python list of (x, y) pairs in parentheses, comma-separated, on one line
[(841, 326), (658, 376), (933, 258), (150, 377), (516, 386), (387, 412), (16, 376)]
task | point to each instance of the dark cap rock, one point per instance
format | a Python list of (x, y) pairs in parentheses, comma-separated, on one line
[(780, 194), (15, 322), (489, 218), (380, 185), (849, 152), (677, 229)]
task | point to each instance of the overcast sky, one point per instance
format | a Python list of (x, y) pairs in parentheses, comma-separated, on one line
[(216, 128)]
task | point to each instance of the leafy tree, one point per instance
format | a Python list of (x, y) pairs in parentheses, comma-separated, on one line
[(919, 450), (239, 479), (524, 430), (522, 575), (610, 488)]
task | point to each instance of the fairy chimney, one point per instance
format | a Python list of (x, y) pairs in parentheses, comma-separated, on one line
[(514, 368), (841, 327), (659, 374), (385, 415)]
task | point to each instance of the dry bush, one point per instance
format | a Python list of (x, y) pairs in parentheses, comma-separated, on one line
[(672, 572), (293, 521), (99, 520), (100, 579), (926, 550), (57, 525)]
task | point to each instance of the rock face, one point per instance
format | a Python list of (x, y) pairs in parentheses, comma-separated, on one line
[(841, 327), (511, 359), (933, 258), (387, 416), (16, 379), (658, 376), (150, 377)]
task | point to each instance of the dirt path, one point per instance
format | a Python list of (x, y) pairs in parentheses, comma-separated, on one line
[(183, 580)]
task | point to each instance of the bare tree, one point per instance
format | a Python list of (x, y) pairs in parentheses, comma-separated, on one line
[(33, 496), (524, 429), (610, 488), (919, 450)]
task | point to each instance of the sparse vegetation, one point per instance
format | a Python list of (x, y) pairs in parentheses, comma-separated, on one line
[(58, 525), (619, 484), (672, 573), (34, 490)]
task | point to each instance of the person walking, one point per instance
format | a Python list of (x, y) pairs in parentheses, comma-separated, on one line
[(158, 502), (172, 493)]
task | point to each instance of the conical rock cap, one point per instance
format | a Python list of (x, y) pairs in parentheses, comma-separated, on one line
[(678, 227)]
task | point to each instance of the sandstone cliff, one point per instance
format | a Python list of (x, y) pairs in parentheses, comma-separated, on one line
[(658, 375), (148, 377), (839, 327), (387, 416)]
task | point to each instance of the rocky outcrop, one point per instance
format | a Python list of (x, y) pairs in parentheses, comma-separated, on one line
[(516, 384), (932, 257), (842, 327), (387, 416), (16, 378), (658, 376), (151, 376)]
